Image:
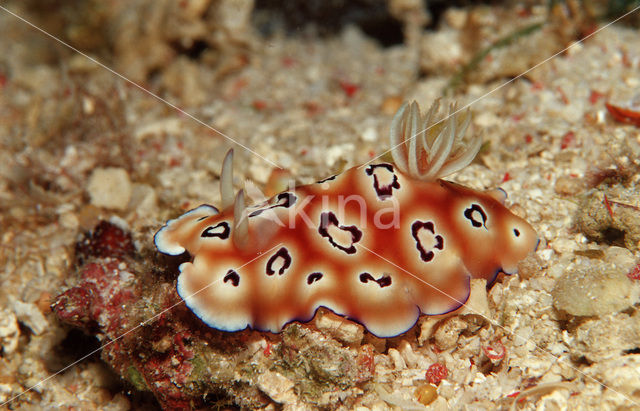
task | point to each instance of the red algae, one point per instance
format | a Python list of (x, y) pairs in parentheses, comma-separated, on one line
[(152, 341), (106, 240), (104, 302), (436, 373)]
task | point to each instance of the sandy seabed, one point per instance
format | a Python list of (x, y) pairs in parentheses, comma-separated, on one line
[(79, 145)]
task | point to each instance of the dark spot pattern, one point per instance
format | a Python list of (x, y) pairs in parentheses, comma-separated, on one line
[(283, 254), (285, 200), (469, 215), (333, 177), (385, 191), (329, 218), (313, 277), (220, 230), (232, 276), (383, 281), (202, 218), (516, 232), (426, 255)]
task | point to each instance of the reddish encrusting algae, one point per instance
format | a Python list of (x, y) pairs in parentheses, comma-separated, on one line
[(106, 302), (155, 343)]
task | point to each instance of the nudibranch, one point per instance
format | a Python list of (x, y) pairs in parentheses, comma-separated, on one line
[(380, 244)]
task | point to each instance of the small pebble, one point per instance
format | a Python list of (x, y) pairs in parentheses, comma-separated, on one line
[(339, 328), (277, 386), (530, 266), (9, 332), (31, 316), (110, 188), (596, 291), (426, 394), (446, 336)]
